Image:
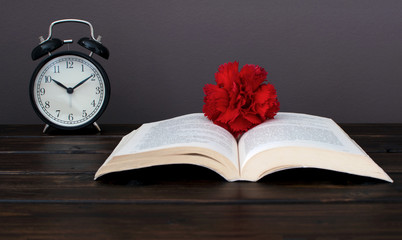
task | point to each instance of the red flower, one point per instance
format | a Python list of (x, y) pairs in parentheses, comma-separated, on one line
[(240, 101)]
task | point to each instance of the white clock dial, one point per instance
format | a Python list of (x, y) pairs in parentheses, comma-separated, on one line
[(69, 91)]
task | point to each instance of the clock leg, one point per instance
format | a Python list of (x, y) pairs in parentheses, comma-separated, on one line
[(45, 128), (97, 126)]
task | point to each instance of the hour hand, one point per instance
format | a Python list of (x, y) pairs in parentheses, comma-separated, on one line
[(59, 83)]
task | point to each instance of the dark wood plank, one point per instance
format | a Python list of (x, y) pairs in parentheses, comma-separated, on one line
[(353, 129), (390, 162), (48, 192), (64, 144), (190, 184), (372, 128), (201, 221), (35, 163), (378, 144), (123, 129), (68, 142), (36, 130), (106, 144), (65, 163)]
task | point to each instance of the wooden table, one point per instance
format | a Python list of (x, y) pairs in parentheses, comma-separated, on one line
[(47, 191)]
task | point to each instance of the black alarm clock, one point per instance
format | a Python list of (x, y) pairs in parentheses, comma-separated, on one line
[(69, 90)]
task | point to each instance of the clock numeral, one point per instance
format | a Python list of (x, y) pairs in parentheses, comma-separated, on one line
[(47, 104), (69, 64), (56, 69), (82, 68), (42, 91), (48, 79), (84, 113), (93, 77), (98, 90), (57, 113), (93, 103), (70, 117)]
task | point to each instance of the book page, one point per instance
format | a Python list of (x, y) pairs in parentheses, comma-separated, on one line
[(121, 144), (193, 130), (298, 130)]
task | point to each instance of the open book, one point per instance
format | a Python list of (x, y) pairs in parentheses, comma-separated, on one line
[(290, 140)]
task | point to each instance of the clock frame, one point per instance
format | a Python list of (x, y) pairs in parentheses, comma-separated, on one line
[(54, 113), (52, 110)]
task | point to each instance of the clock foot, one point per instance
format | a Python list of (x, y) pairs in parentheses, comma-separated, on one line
[(45, 128), (97, 126)]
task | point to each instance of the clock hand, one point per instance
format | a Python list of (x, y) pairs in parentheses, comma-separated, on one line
[(58, 83), (80, 83), (69, 90)]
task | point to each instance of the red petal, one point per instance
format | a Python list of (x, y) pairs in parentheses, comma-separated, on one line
[(210, 111), (262, 109), (216, 101), (240, 101), (227, 74), (265, 92), (240, 125), (217, 96), (273, 110), (253, 118), (229, 115), (253, 76), (269, 109)]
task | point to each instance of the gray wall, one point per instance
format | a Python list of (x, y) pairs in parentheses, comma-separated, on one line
[(340, 59)]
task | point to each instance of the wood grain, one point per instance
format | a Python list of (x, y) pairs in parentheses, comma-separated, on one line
[(47, 191), (200, 221)]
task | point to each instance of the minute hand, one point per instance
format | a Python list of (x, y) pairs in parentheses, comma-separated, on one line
[(80, 83)]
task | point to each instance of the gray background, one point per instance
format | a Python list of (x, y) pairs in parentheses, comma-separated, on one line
[(340, 59)]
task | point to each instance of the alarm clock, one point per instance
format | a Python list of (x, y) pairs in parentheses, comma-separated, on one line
[(69, 90)]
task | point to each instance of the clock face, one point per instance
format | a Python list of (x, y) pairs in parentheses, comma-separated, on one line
[(69, 90)]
